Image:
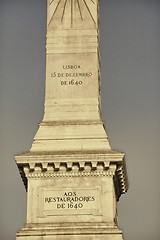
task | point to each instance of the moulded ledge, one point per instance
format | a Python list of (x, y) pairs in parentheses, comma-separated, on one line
[(68, 232)]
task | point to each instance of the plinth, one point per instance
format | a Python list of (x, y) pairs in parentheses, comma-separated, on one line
[(73, 177)]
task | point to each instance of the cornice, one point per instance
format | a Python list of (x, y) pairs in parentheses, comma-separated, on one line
[(41, 165)]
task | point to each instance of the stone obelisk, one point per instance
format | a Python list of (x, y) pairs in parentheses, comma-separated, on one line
[(72, 176)]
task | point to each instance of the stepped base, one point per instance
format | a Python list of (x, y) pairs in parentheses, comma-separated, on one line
[(73, 237), (85, 232), (71, 136)]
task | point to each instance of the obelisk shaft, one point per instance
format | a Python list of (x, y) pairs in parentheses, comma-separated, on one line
[(72, 115), (72, 69)]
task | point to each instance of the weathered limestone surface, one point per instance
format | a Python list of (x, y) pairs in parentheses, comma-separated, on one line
[(72, 103), (72, 176)]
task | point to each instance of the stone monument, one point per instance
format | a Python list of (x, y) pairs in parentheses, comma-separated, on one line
[(72, 176)]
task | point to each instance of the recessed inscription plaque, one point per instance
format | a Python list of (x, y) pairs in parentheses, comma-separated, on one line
[(68, 201)]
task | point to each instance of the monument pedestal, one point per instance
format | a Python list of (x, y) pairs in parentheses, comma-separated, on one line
[(73, 195), (72, 176)]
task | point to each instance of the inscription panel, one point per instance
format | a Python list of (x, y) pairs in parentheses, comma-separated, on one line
[(72, 76), (64, 201)]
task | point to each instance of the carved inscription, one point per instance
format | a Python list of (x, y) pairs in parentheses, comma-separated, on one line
[(71, 75), (68, 201)]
